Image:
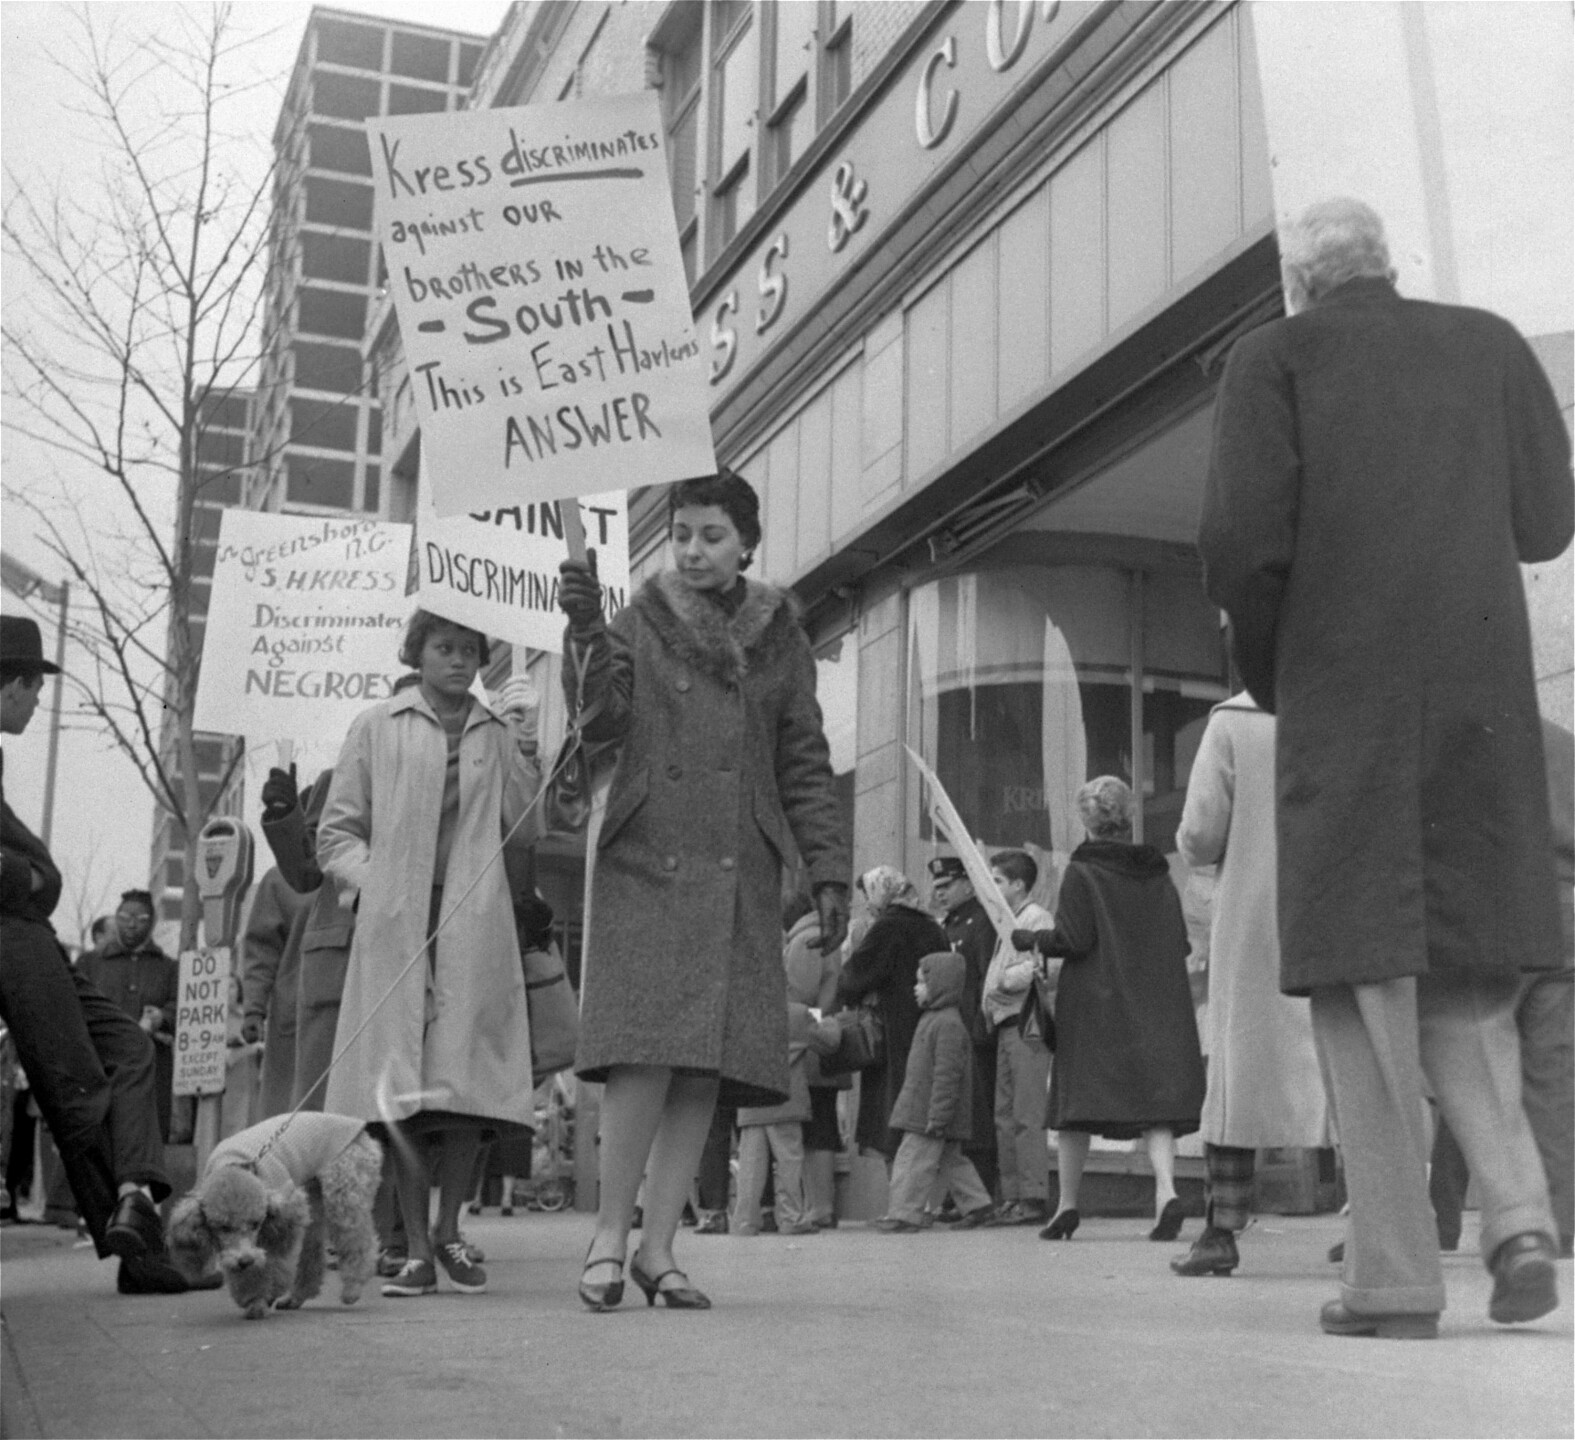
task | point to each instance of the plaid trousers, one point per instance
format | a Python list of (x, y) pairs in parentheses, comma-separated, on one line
[(1230, 1171)]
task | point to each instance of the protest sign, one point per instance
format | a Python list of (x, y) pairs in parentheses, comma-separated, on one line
[(950, 824), (534, 263), (304, 625), (497, 570)]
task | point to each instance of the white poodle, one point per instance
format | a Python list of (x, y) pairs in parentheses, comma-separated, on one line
[(264, 1201)]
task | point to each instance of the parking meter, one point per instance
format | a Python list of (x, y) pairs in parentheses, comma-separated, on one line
[(224, 875)]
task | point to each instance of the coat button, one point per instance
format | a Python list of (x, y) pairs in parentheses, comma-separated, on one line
[(676, 771), (683, 687), (727, 862), (670, 862)]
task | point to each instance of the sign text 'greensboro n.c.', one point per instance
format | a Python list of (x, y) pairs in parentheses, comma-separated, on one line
[(533, 258)]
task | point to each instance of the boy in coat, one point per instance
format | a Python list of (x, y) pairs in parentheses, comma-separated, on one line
[(934, 1107)]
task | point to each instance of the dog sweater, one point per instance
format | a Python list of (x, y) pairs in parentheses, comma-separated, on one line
[(302, 1146)]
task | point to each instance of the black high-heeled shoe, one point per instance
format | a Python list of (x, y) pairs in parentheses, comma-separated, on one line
[(1062, 1226), (601, 1297), (1168, 1226), (677, 1297)]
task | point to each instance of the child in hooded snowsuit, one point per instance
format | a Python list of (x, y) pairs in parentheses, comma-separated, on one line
[(935, 1106)]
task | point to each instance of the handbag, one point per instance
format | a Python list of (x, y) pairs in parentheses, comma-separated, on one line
[(1037, 1013), (863, 1041), (554, 1013)]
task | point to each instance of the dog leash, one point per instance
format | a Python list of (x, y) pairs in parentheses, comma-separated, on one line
[(574, 745)]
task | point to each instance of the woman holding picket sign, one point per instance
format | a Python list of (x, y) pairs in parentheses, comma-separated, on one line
[(706, 684), (427, 786)]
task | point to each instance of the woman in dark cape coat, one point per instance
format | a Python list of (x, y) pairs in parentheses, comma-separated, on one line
[(1127, 1057)]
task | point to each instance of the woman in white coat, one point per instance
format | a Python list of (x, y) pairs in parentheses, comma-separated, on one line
[(426, 787), (1264, 1084)]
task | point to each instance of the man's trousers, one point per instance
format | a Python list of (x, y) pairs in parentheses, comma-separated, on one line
[(1022, 1076), (91, 1068), (1375, 1043)]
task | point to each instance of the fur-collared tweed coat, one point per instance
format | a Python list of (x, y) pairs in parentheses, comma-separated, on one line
[(1380, 468), (722, 767)]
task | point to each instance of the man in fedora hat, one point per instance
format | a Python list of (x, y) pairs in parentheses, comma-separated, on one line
[(90, 1065)]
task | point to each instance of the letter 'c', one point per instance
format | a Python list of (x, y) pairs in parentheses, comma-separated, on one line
[(929, 138)]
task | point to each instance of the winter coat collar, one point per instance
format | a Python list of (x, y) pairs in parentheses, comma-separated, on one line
[(411, 698), (703, 635), (1140, 862), (1362, 290), (115, 949)]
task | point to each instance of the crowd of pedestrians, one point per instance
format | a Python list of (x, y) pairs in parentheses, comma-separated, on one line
[(1374, 807)]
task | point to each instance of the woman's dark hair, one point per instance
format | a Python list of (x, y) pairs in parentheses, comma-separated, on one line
[(421, 626), (732, 494), (143, 898)]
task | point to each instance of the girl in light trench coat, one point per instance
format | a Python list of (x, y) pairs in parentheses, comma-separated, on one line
[(706, 684), (426, 787)]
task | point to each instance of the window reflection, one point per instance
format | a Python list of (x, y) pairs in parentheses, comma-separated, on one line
[(1021, 687)]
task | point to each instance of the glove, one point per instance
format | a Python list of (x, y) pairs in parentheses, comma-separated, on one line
[(279, 793), (1028, 939), (831, 904), (580, 594), (519, 703), (251, 1029)]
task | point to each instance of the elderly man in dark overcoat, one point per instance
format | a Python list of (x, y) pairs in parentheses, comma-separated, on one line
[(1380, 468)]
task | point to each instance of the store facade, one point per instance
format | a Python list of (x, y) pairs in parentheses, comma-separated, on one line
[(969, 366)]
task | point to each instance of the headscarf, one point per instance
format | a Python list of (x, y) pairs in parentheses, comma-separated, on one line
[(885, 886)]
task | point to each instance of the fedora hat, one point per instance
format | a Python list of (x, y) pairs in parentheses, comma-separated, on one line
[(22, 647)]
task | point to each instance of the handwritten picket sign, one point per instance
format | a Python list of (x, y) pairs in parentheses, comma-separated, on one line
[(534, 263), (304, 625), (497, 570), (202, 1021)]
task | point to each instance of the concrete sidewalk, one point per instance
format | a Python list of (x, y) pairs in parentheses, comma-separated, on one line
[(847, 1333)]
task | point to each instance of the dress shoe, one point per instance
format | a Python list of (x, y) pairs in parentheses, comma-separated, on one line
[(1062, 1227), (675, 1297), (714, 1223), (609, 1294), (155, 1275), (974, 1219), (1168, 1226), (892, 1225), (135, 1229), (1525, 1283), (798, 1227), (1335, 1319), (1212, 1253)]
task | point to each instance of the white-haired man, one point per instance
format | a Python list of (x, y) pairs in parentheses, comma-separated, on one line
[(1380, 467)]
